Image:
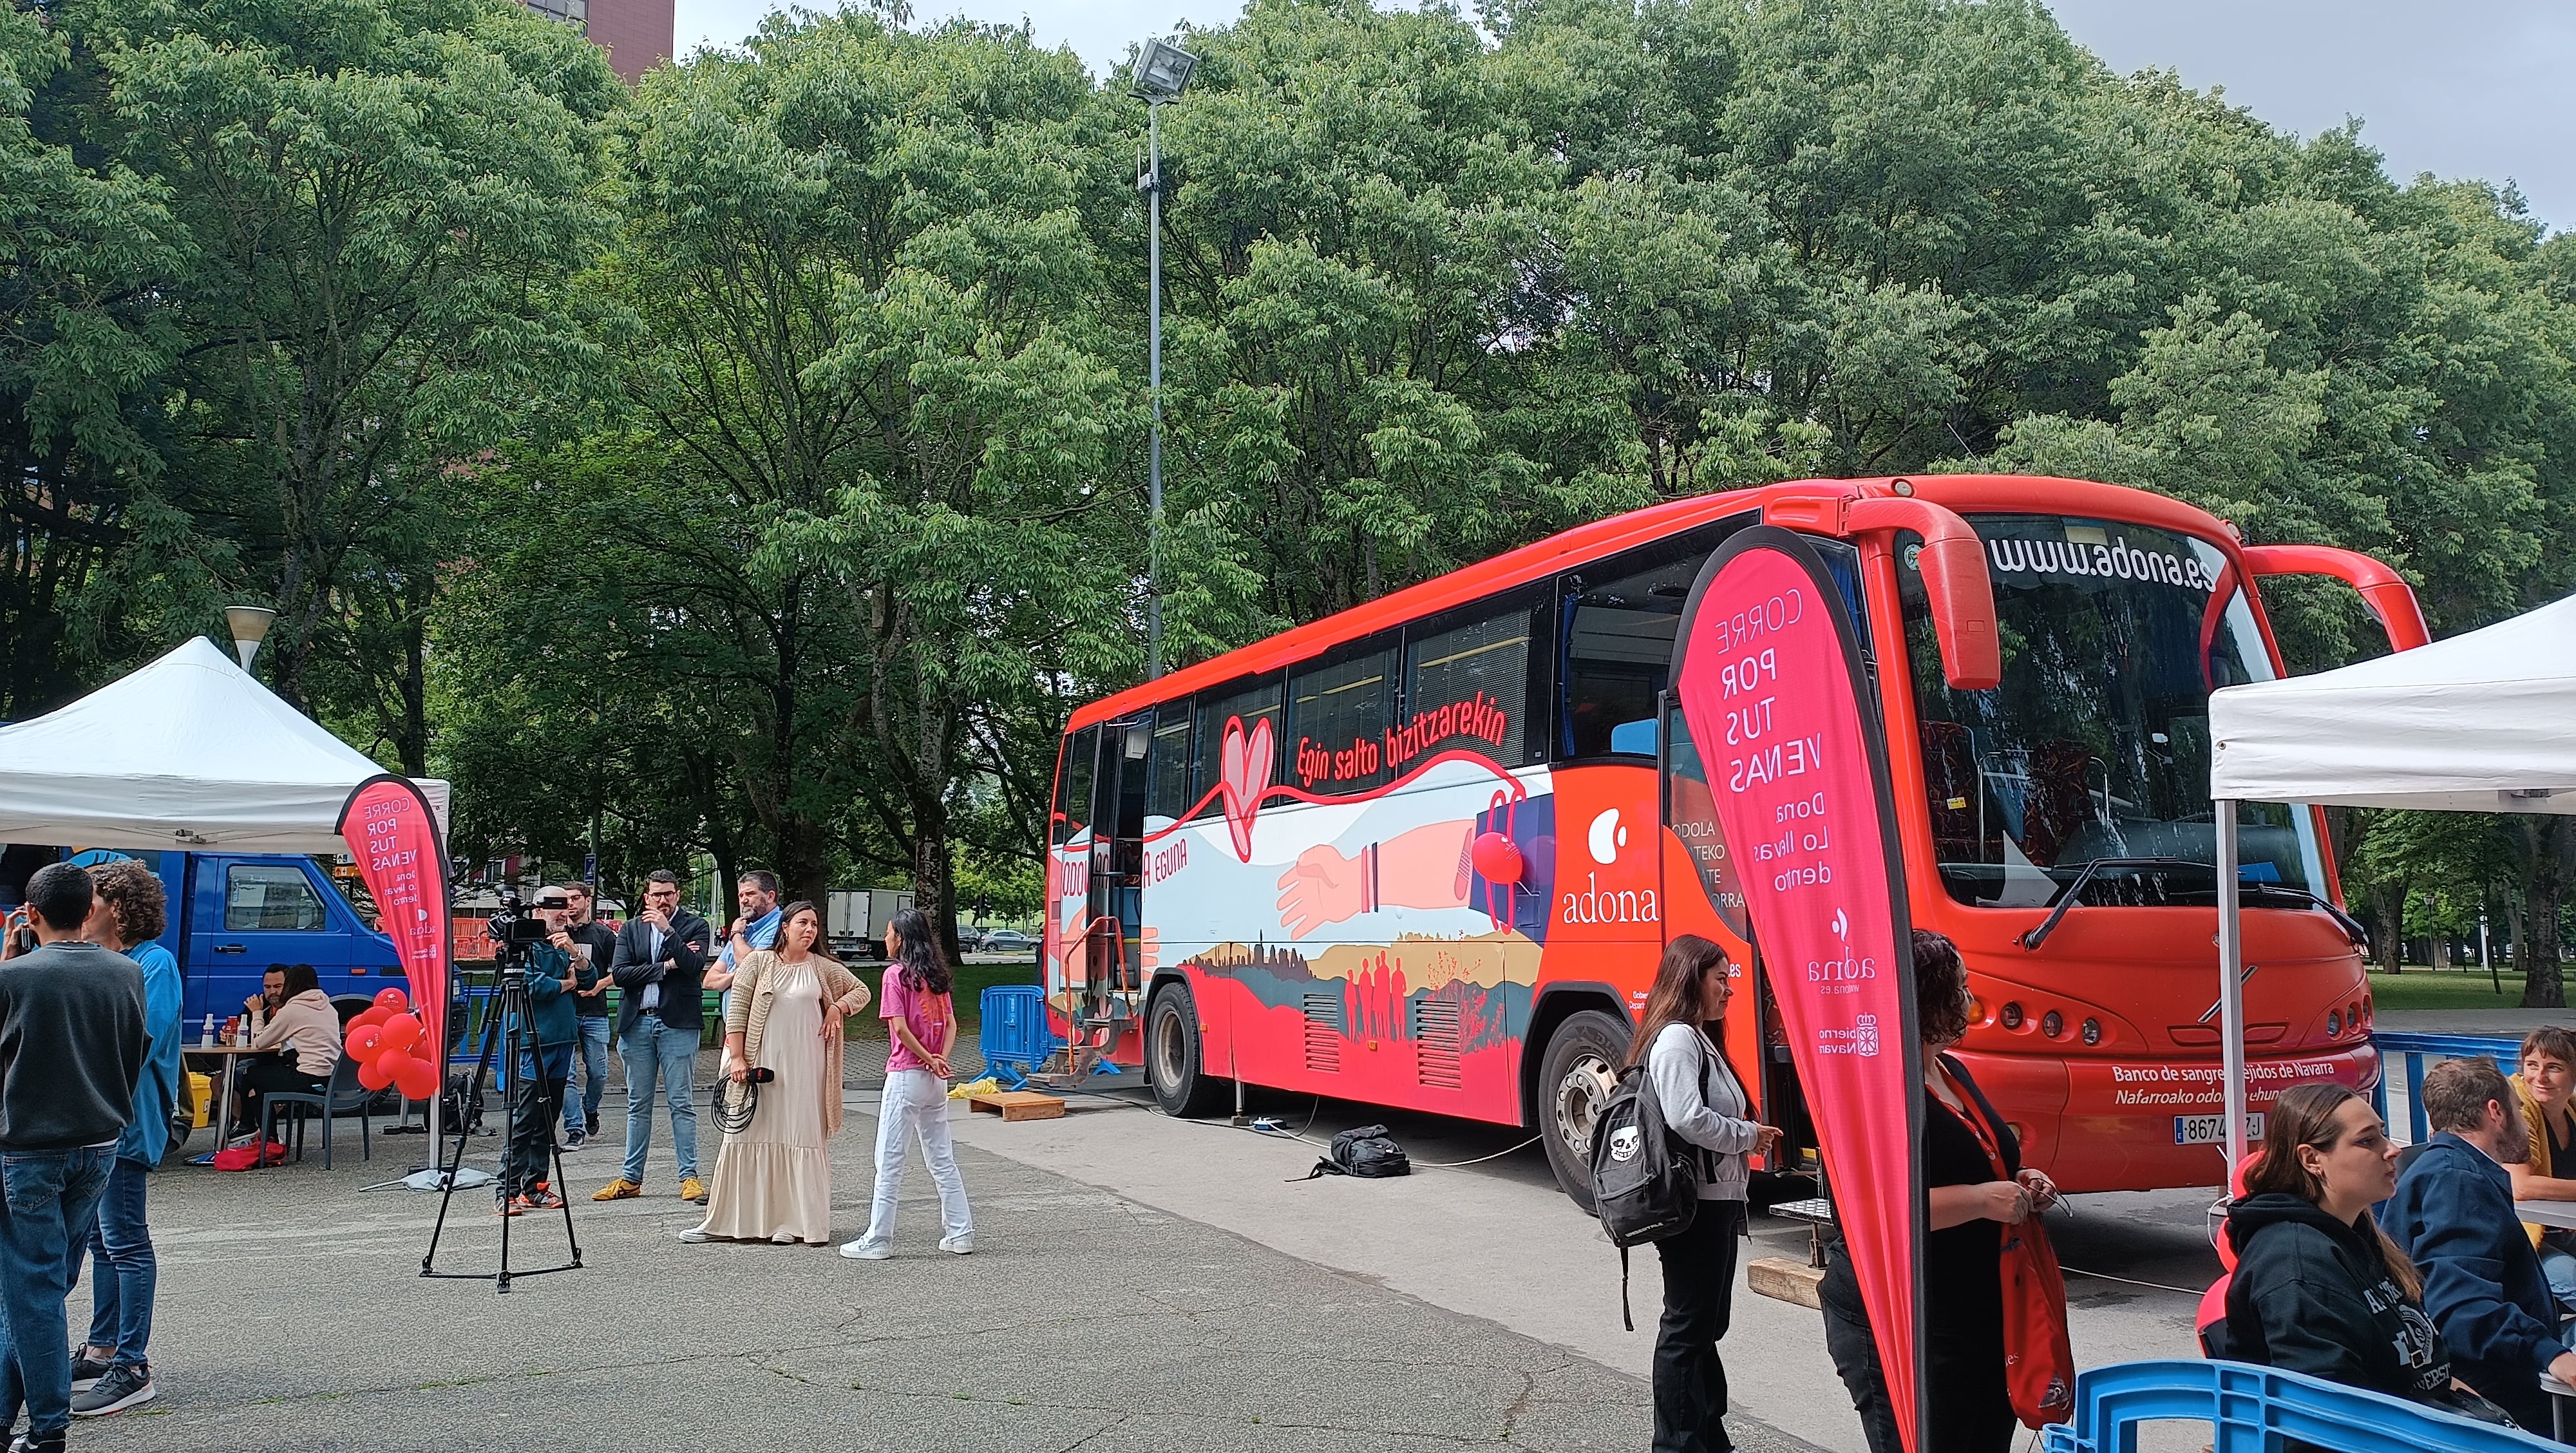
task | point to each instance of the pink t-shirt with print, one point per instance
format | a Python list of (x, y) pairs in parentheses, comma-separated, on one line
[(926, 1012)]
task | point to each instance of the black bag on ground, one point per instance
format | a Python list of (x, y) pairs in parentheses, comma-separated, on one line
[(1641, 1189), (460, 1109), (1366, 1151)]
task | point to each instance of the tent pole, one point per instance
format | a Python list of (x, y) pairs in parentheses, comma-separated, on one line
[(2231, 991)]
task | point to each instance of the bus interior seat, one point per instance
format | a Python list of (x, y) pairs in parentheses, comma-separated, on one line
[(2059, 801), (1634, 736), (1950, 780)]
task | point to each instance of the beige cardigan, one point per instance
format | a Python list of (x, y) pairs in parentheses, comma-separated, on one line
[(755, 990), (310, 1025)]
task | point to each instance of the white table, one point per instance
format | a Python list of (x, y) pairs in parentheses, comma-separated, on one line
[(2560, 1214)]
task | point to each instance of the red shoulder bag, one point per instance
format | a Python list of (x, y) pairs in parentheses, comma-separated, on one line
[(2039, 1362)]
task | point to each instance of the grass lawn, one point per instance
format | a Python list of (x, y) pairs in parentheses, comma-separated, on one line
[(2424, 988), (972, 981)]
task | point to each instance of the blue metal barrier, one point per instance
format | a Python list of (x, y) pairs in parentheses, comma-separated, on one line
[(2249, 1407), (2416, 1049), (1015, 1038)]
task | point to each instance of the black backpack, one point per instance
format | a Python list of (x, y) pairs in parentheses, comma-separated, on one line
[(1642, 1187), (1366, 1151), (460, 1110)]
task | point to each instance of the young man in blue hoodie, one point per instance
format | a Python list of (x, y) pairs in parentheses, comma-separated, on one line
[(2453, 1214)]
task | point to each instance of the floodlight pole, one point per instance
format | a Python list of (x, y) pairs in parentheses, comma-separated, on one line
[(1154, 386)]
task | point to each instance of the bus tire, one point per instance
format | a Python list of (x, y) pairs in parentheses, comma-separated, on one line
[(1575, 1078), (1181, 1084)]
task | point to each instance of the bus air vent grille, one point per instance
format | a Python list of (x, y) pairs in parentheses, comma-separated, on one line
[(1324, 1033), (1435, 1039)]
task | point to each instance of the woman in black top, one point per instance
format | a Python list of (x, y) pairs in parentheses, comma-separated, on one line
[(1963, 1353)]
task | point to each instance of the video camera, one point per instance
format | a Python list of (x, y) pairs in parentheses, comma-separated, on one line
[(515, 922)]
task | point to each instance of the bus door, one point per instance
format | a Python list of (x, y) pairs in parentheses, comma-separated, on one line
[(1114, 945)]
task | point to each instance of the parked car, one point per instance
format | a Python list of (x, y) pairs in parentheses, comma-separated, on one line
[(969, 938), (1008, 941)]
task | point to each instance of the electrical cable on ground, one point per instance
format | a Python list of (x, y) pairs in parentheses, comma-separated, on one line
[(2128, 1281)]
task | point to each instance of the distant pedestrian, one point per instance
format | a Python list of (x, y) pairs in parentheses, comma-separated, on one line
[(113, 1371), (72, 1048), (755, 926), (773, 1178), (1680, 1040), (597, 948), (661, 960), (922, 1022)]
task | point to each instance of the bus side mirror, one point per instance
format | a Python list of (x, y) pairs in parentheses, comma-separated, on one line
[(2382, 589), (1952, 561)]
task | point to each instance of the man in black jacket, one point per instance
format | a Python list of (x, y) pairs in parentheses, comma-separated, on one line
[(661, 957), (72, 1046)]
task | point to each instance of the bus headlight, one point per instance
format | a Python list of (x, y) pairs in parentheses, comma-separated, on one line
[(2334, 1023), (2052, 1024), (2012, 1016), (2092, 1031)]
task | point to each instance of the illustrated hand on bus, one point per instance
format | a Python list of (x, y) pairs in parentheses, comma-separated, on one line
[(1423, 868)]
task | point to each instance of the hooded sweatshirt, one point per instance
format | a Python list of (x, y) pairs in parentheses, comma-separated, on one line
[(307, 1025), (2312, 1294)]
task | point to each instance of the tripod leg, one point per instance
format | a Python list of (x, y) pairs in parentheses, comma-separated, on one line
[(456, 1158)]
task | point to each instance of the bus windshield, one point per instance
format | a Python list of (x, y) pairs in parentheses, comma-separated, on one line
[(2095, 748)]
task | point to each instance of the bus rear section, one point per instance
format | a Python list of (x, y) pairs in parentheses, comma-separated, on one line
[(1426, 854)]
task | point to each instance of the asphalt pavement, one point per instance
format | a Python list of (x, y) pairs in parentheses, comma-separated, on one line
[(292, 1315)]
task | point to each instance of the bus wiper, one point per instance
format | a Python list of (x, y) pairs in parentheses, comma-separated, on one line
[(2352, 927), (2074, 891)]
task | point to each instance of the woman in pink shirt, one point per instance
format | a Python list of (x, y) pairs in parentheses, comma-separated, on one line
[(923, 1025)]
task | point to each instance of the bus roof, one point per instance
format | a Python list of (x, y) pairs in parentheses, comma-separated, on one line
[(1567, 549)]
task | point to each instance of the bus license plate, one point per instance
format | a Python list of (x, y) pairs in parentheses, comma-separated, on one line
[(2212, 1129)]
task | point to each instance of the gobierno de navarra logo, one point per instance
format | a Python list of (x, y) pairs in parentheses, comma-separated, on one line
[(1861, 1039)]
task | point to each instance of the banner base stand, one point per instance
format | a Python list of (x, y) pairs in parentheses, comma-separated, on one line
[(434, 1178)]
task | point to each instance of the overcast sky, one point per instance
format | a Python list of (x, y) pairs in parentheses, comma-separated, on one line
[(2453, 87)]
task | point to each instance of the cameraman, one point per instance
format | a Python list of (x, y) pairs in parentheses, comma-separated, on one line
[(537, 1088)]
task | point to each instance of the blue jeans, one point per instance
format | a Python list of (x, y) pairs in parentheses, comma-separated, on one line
[(654, 1050), (47, 1202), (593, 1053), (126, 1272), (2560, 1269)]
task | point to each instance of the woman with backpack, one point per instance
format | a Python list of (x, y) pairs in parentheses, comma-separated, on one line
[(1975, 1185), (1705, 1107)]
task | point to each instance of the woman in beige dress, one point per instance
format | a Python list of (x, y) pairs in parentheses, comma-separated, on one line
[(773, 1179)]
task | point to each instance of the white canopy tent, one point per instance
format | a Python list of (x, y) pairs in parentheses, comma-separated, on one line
[(2482, 722), (189, 753)]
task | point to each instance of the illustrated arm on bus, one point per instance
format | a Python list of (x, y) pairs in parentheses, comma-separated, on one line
[(1425, 868)]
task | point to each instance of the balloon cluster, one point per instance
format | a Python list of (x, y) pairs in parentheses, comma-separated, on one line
[(391, 1047)]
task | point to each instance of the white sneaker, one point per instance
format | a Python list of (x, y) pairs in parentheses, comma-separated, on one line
[(783, 1238), (958, 1245), (865, 1250), (694, 1235)]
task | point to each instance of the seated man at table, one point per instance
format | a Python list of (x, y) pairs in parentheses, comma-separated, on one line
[(2453, 1214), (305, 1032), (2547, 1090)]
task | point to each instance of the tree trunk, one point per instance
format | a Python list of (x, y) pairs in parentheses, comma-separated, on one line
[(803, 865), (2441, 949), (2555, 864), (934, 889), (2388, 918)]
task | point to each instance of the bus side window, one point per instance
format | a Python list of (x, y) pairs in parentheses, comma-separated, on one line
[(1616, 622), (1073, 786), (1338, 717), (1467, 688), (1251, 704), (1167, 765)]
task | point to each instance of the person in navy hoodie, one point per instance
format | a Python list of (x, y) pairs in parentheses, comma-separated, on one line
[(2453, 1214)]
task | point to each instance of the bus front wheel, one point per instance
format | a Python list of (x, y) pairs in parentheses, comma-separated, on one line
[(1173, 1063), (1574, 1083)]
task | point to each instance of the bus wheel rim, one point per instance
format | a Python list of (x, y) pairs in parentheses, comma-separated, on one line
[(1167, 1048), (1580, 1095)]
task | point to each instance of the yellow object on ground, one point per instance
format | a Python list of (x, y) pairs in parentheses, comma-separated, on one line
[(972, 1088), (201, 1092)]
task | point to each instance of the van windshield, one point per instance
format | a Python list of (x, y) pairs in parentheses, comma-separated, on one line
[(2095, 748)]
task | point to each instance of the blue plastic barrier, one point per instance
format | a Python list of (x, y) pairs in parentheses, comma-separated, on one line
[(1015, 1038), (2250, 1406), (2416, 1049)]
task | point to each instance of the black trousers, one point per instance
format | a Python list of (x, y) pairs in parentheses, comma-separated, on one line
[(1963, 1368), (1699, 1301), (536, 1098), (264, 1076)]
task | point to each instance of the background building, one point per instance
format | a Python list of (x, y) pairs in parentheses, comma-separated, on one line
[(635, 33)]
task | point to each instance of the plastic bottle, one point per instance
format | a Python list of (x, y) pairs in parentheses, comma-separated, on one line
[(206, 1039)]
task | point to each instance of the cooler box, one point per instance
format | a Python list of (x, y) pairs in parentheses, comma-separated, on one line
[(1015, 1038)]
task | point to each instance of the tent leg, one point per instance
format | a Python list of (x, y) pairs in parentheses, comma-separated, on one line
[(2231, 991)]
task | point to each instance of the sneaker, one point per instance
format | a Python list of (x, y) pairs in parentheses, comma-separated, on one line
[(542, 1199), (122, 1388), (87, 1370), (510, 1206), (693, 1189), (52, 1442), (783, 1238), (575, 1141), (958, 1245), (694, 1235), (866, 1250), (619, 1189)]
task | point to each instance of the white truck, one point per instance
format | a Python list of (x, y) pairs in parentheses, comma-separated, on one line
[(855, 919)]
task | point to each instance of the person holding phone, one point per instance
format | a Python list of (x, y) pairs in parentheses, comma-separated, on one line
[(594, 946)]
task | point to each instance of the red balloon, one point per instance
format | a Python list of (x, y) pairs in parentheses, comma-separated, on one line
[(392, 1000), (389, 1062), (1497, 857), (373, 1075), (365, 1042), (417, 1079), (401, 1032)]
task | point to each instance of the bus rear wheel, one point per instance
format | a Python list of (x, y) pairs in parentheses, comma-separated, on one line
[(1575, 1079), (1173, 1063)]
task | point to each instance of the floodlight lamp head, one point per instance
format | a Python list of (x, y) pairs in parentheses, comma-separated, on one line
[(249, 625), (1163, 70)]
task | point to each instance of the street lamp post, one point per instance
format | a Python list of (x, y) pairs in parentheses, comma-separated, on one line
[(1162, 71)]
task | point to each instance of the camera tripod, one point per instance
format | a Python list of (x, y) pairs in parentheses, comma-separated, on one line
[(510, 1007)]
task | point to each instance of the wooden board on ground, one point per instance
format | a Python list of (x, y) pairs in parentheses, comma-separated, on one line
[(1018, 1105)]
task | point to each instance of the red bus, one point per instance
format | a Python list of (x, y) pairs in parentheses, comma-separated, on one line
[(1425, 853)]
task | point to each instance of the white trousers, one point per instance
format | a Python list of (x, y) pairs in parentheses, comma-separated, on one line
[(916, 1106)]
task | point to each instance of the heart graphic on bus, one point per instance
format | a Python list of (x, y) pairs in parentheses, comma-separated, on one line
[(1245, 762)]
